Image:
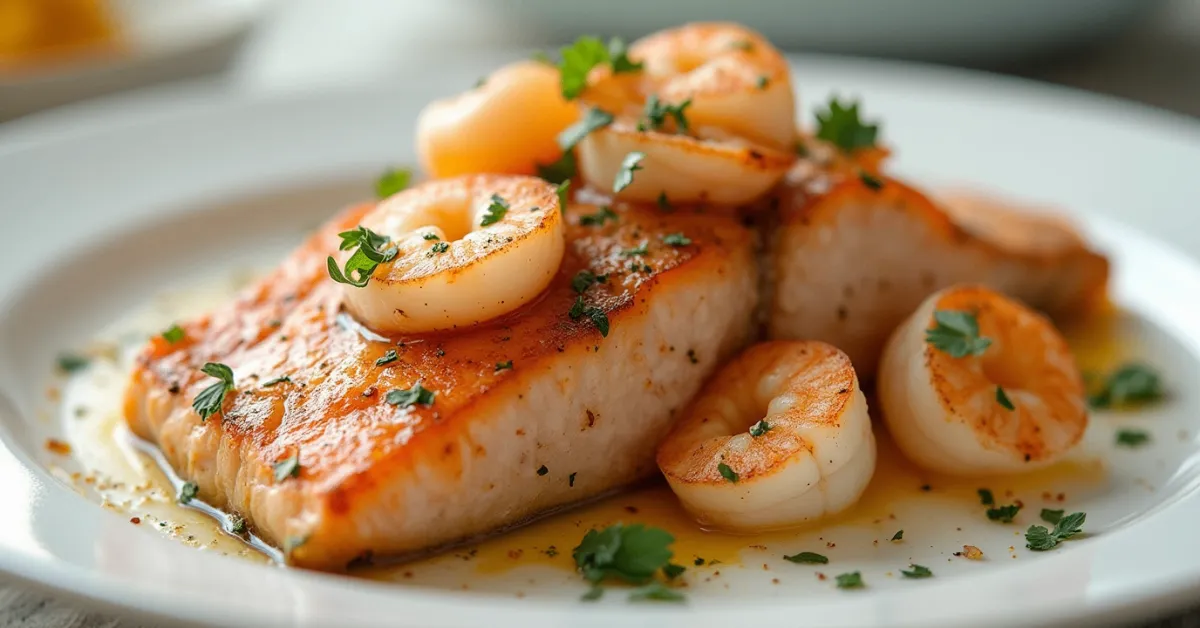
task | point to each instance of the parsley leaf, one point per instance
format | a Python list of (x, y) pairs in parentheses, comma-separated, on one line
[(1128, 385), (173, 334), (956, 333), (918, 571), (278, 380), (656, 114), (618, 53), (439, 247), (593, 594), (593, 313), (560, 172), (495, 211), (604, 214), (71, 363), (637, 250), (631, 163), (1039, 539), (1003, 400), (587, 52), (562, 190), (237, 524), (431, 236), (727, 473), (392, 180), (387, 358), (1052, 516), (211, 399), (672, 571), (760, 428), (503, 366), (986, 498), (872, 182), (631, 553), (1132, 438), (287, 468), (898, 536), (1003, 514), (852, 580), (763, 81), (365, 259), (808, 558), (655, 591), (841, 126), (676, 239), (594, 119), (418, 394), (664, 204), (188, 492), (585, 279)]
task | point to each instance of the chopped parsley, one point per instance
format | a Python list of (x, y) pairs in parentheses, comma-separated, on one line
[(288, 468), (211, 399), (840, 125), (917, 571), (656, 591), (1003, 514), (808, 558), (852, 580), (276, 381), (418, 394), (368, 256), (760, 428), (727, 473), (1128, 385), (664, 204), (871, 181), (560, 171), (986, 498), (604, 214), (563, 188), (392, 180), (1039, 539), (439, 247), (1132, 438), (1052, 516), (1003, 400), (676, 239), (956, 333), (542, 470), (631, 163), (596, 315), (571, 479), (188, 492), (763, 81), (495, 212), (237, 524), (71, 363), (173, 334), (633, 553), (431, 236), (673, 571), (657, 113), (578, 59), (635, 251), (387, 358), (503, 366), (594, 119), (898, 536), (585, 279)]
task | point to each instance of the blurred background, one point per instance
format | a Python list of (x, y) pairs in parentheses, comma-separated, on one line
[(57, 51)]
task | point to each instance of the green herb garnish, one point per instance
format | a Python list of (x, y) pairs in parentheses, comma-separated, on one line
[(571, 479), (594, 119), (852, 580), (211, 399), (431, 236), (596, 315), (387, 358), (807, 558), (439, 247), (368, 256), (503, 366), (585, 279), (495, 211), (655, 591), (71, 363), (676, 239), (1003, 400), (640, 249), (173, 334), (956, 333), (763, 81), (631, 163), (288, 468), (986, 498), (1003, 514), (1132, 438), (632, 553), (656, 114), (418, 394), (1039, 539), (871, 181), (562, 190), (237, 524), (604, 214), (188, 492), (760, 428), (392, 180), (1052, 516), (277, 380), (918, 571), (727, 473), (1130, 384), (840, 125), (559, 172), (664, 204), (898, 536), (578, 59)]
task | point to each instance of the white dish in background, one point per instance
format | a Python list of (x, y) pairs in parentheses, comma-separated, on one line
[(160, 41), (107, 205)]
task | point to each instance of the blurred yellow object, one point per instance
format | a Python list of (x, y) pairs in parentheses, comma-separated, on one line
[(38, 32)]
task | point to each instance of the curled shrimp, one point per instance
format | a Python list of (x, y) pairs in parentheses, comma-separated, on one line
[(1001, 395), (731, 135), (459, 252), (506, 125), (780, 436)]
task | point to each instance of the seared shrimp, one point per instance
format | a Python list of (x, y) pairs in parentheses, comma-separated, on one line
[(458, 252), (975, 383), (779, 436), (733, 134), (507, 125)]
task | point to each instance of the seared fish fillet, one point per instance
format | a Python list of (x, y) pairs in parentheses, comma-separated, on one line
[(848, 263), (576, 415)]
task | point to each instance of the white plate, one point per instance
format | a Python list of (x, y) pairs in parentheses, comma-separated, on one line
[(104, 206), (160, 41)]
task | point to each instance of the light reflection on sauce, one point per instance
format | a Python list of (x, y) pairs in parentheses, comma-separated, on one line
[(899, 496)]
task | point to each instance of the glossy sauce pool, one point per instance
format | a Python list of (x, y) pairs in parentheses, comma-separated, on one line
[(99, 457)]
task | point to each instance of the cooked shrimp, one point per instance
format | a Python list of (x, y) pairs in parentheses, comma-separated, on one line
[(779, 436), (734, 137), (1012, 401), (467, 250), (507, 125)]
